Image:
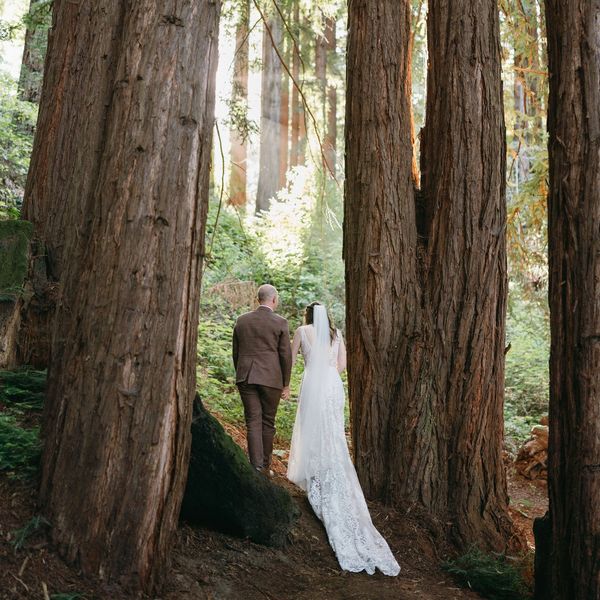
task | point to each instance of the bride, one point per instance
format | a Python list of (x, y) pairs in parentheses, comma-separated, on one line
[(319, 460)]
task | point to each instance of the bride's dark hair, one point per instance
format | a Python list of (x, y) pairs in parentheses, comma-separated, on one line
[(308, 318)]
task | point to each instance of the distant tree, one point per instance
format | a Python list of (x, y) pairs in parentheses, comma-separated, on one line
[(239, 101), (34, 50), (118, 188), (270, 114), (574, 262), (298, 128)]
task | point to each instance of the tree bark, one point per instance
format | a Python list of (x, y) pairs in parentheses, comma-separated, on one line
[(574, 296), (270, 100), (382, 293), (131, 186), (426, 294), (239, 96), (34, 52)]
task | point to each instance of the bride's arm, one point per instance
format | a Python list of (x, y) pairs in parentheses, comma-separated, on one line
[(341, 357), (296, 345)]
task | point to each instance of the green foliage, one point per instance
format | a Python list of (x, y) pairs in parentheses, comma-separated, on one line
[(19, 448), (527, 377), (34, 525), (494, 576), (17, 126), (21, 395), (24, 387)]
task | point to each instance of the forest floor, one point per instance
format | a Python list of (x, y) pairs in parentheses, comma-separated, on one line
[(210, 565)]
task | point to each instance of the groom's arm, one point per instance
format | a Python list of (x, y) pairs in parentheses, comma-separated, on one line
[(234, 348), (285, 355)]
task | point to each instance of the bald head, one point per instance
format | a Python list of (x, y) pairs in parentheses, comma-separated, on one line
[(267, 295)]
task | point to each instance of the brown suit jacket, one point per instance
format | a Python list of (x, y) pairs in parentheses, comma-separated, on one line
[(262, 353)]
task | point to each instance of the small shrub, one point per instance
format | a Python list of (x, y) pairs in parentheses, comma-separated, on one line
[(494, 576), (34, 525), (19, 448)]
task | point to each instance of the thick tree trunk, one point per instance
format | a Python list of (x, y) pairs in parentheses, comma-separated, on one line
[(463, 180), (239, 96), (140, 81), (34, 52), (574, 295), (382, 296), (426, 320), (270, 100)]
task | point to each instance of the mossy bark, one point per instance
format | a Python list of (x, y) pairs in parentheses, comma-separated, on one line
[(224, 492)]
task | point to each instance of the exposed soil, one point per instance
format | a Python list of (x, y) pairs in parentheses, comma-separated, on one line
[(209, 565)]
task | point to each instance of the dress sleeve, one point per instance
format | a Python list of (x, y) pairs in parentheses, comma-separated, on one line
[(296, 344), (341, 356)]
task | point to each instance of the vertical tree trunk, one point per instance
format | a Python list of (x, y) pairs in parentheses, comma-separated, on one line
[(463, 181), (284, 119), (239, 97), (426, 320), (574, 295), (270, 100), (382, 293), (331, 116), (121, 381), (296, 103), (34, 52)]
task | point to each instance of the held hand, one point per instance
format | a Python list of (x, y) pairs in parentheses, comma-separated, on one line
[(285, 394)]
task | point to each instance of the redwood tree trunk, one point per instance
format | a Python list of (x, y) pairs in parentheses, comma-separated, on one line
[(134, 199), (383, 298), (239, 96), (463, 181), (270, 100), (426, 313), (574, 295)]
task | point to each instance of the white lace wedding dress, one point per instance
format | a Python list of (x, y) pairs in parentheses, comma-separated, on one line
[(319, 460)]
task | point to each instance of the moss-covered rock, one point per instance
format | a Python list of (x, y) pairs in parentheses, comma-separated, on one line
[(226, 493), (15, 237)]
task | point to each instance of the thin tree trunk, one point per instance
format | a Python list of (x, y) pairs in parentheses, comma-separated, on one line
[(34, 52), (284, 119), (270, 100), (296, 104), (574, 296), (331, 100), (239, 96), (133, 197), (426, 321)]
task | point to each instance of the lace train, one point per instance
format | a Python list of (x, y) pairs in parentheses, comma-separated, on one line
[(320, 463)]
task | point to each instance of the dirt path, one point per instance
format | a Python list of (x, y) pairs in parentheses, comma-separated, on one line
[(209, 565)]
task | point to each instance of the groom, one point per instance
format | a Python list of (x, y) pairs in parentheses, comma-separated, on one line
[(262, 356)]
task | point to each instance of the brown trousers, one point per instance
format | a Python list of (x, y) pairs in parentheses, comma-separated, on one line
[(260, 406)]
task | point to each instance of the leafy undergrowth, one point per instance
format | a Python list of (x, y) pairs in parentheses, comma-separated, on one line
[(21, 400), (494, 576)]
